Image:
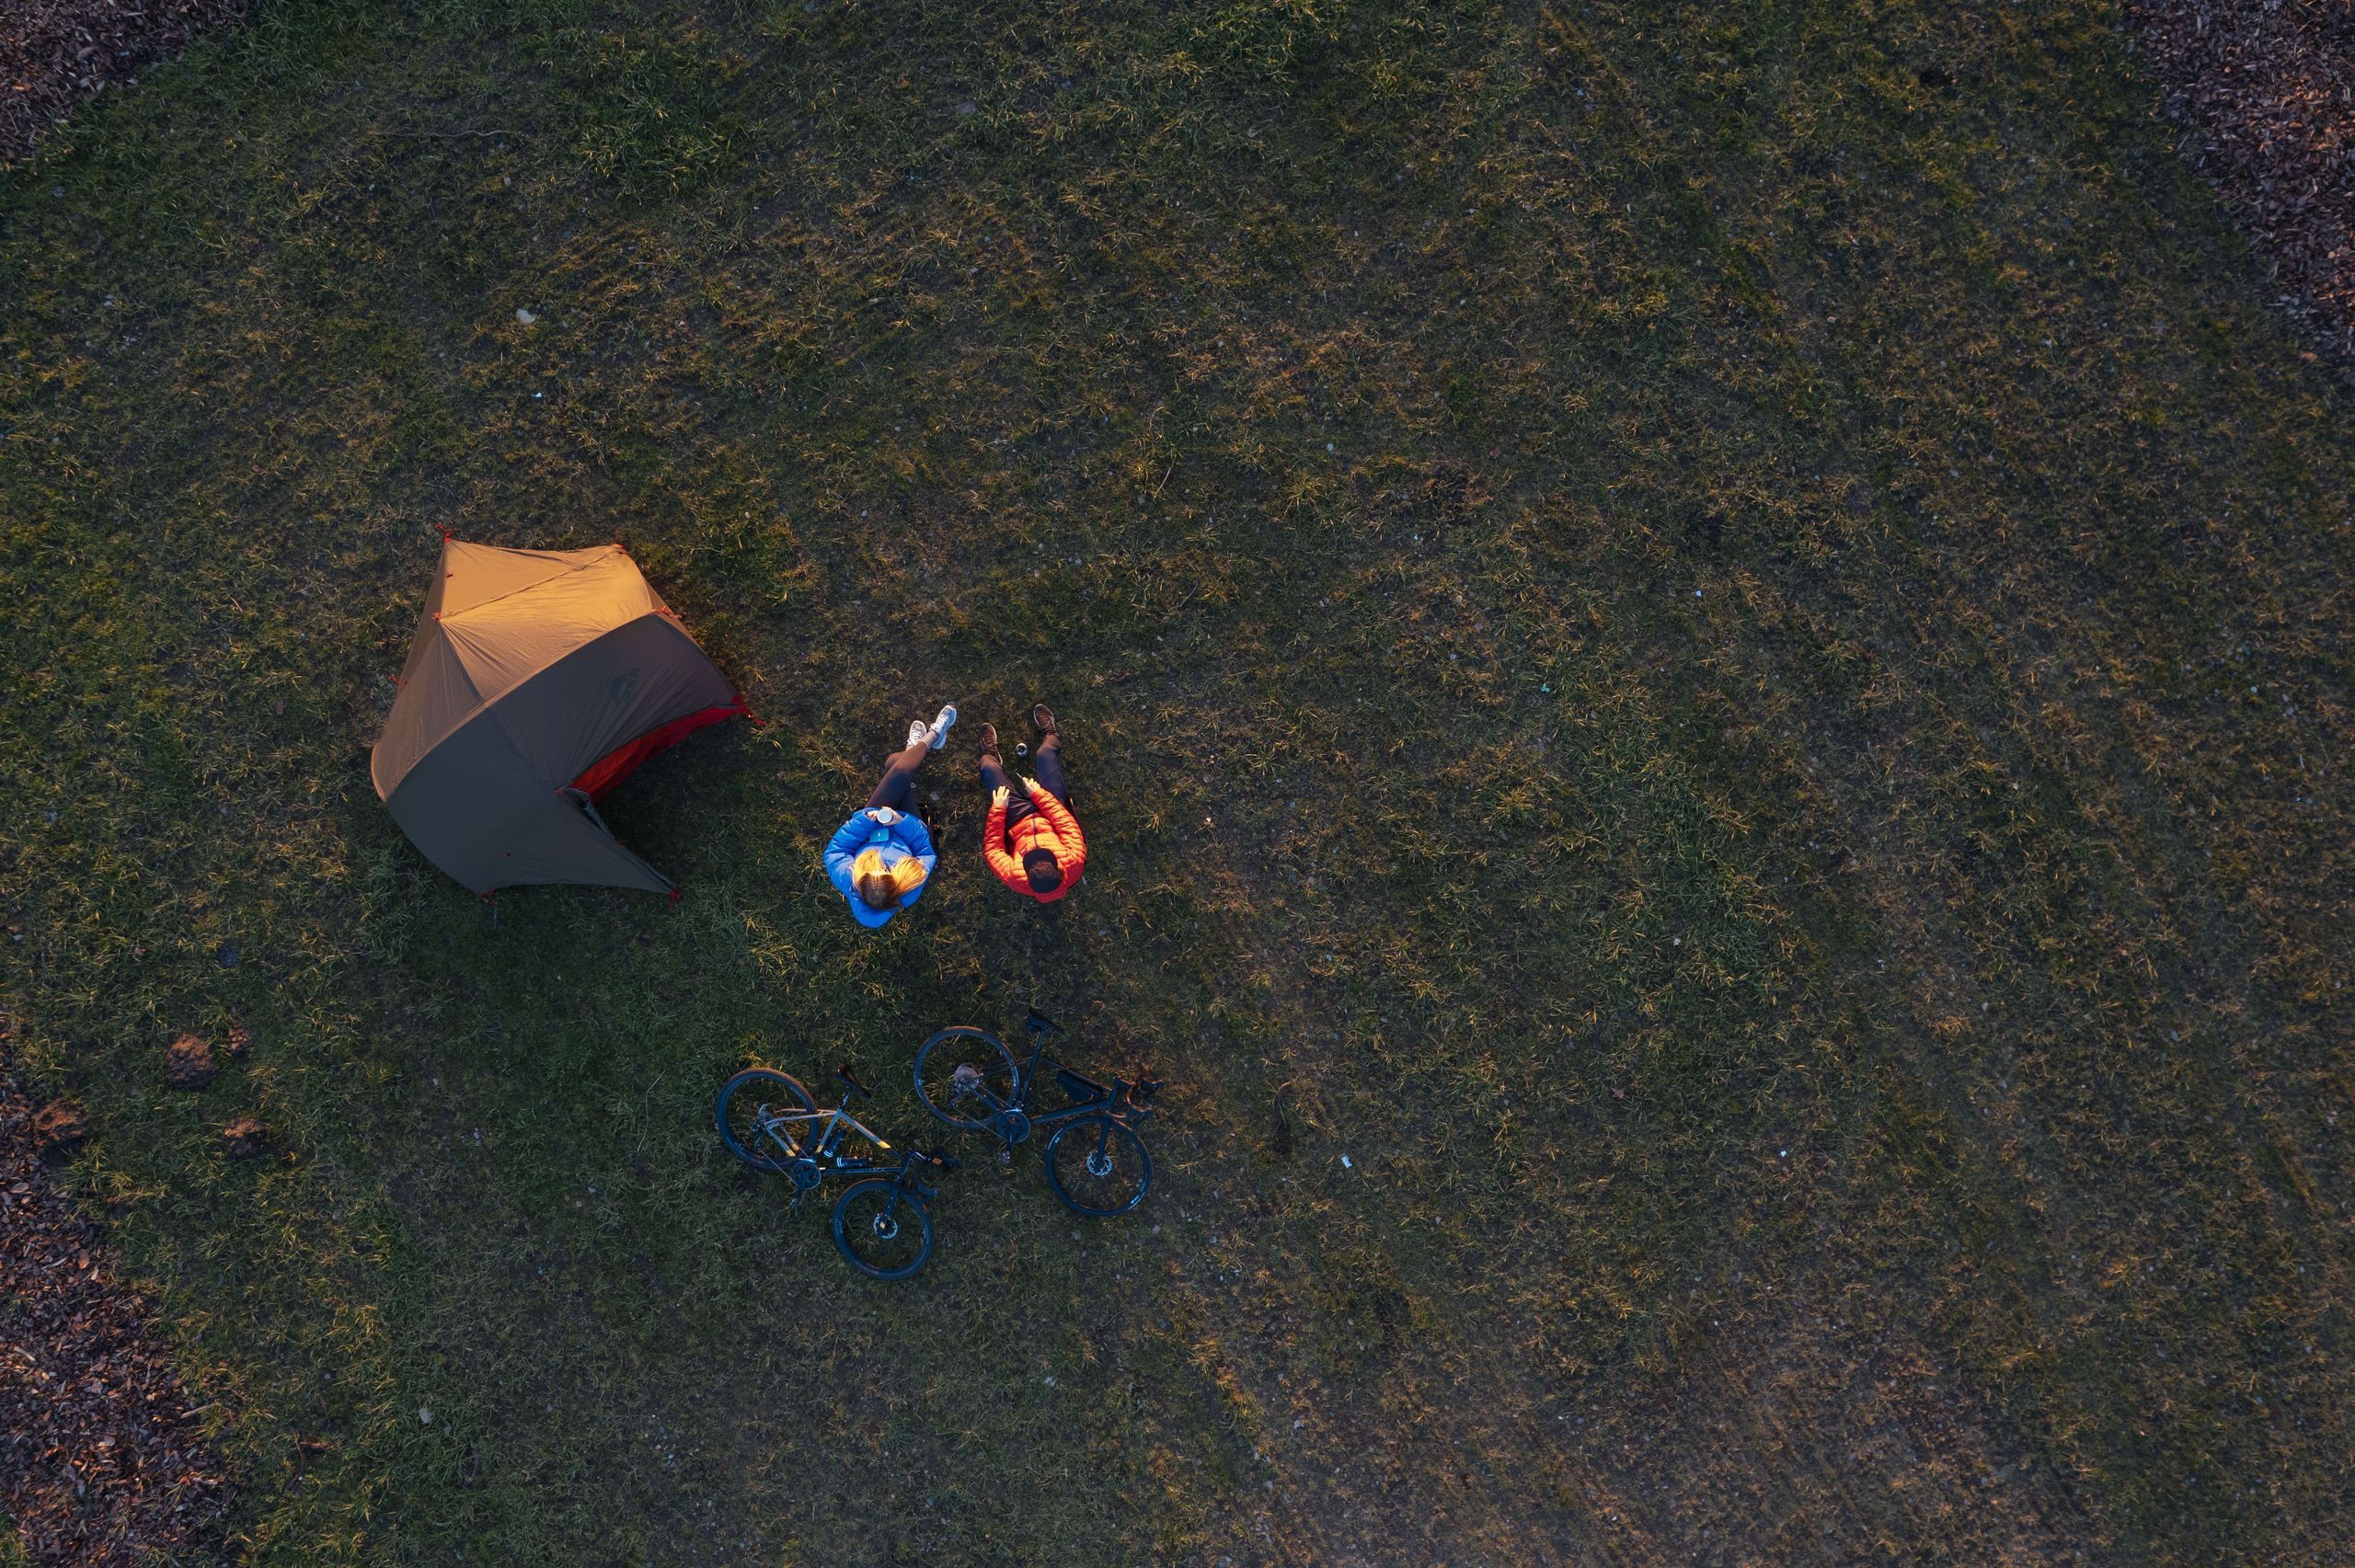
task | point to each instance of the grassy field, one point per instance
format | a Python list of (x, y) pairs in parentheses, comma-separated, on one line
[(1722, 632)]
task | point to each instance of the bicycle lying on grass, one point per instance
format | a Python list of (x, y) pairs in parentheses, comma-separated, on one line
[(1095, 1161), (881, 1226)]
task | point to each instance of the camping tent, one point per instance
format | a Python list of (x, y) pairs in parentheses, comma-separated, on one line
[(538, 680)]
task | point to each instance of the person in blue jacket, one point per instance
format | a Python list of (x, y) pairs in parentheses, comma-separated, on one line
[(882, 858)]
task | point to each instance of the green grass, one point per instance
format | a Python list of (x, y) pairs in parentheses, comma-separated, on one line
[(1734, 665)]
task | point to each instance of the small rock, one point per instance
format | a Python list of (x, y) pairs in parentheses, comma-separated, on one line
[(187, 1063), (526, 317), (244, 1138), (60, 1126)]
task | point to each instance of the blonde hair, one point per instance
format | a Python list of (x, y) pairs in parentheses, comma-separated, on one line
[(884, 887)]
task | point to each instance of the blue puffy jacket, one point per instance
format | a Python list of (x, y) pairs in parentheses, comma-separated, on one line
[(898, 840)]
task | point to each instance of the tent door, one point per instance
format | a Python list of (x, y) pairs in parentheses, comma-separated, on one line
[(587, 807)]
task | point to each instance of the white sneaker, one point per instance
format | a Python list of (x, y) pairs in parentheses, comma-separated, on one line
[(939, 729), (920, 733)]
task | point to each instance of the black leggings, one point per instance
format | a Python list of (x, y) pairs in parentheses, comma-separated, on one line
[(1048, 760), (898, 789)]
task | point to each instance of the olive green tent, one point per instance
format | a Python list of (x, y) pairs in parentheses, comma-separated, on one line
[(539, 679)]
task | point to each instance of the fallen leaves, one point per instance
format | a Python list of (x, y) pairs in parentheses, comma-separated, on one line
[(55, 52), (101, 1460), (2269, 92)]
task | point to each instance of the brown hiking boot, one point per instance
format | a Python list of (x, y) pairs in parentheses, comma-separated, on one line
[(1042, 719), (989, 741)]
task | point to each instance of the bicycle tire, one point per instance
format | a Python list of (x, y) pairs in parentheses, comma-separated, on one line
[(784, 1089), (850, 1221), (1112, 1136), (985, 1049)]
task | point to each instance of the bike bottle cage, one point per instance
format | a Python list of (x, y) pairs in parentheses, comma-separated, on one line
[(851, 1083), (1038, 1022)]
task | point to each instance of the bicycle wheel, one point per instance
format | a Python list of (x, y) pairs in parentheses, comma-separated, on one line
[(882, 1230), (751, 1097), (1098, 1167), (963, 1075)]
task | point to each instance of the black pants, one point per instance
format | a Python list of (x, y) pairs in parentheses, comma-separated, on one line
[(1048, 760), (898, 789)]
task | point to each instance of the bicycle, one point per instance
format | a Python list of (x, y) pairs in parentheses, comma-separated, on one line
[(769, 1122), (1095, 1161)]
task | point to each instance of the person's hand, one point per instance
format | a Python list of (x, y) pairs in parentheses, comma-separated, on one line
[(884, 815), (1030, 784), (1019, 785), (997, 795)]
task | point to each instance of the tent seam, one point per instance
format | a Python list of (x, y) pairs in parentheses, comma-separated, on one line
[(486, 705), (610, 551)]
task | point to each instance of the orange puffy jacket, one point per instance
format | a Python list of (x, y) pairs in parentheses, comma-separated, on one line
[(1050, 827)]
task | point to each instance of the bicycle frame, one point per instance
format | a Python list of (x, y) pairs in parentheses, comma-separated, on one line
[(1112, 1100), (827, 1143)]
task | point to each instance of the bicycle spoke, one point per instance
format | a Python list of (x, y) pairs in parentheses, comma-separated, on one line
[(882, 1230), (762, 1117), (1098, 1166), (964, 1077)]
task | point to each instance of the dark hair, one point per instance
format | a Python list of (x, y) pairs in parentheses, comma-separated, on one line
[(1046, 873)]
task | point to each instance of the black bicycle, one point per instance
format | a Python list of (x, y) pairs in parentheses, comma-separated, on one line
[(881, 1226), (1095, 1161)]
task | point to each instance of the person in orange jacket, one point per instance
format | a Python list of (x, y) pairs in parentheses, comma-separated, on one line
[(1032, 841)]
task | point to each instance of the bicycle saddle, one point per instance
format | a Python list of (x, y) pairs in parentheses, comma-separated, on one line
[(851, 1083), (1038, 1022)]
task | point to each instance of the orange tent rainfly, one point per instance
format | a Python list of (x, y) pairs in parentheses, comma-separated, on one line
[(538, 681)]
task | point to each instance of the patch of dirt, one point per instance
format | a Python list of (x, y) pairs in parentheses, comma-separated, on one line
[(2266, 90), (59, 1126), (101, 1459), (53, 53), (189, 1064)]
